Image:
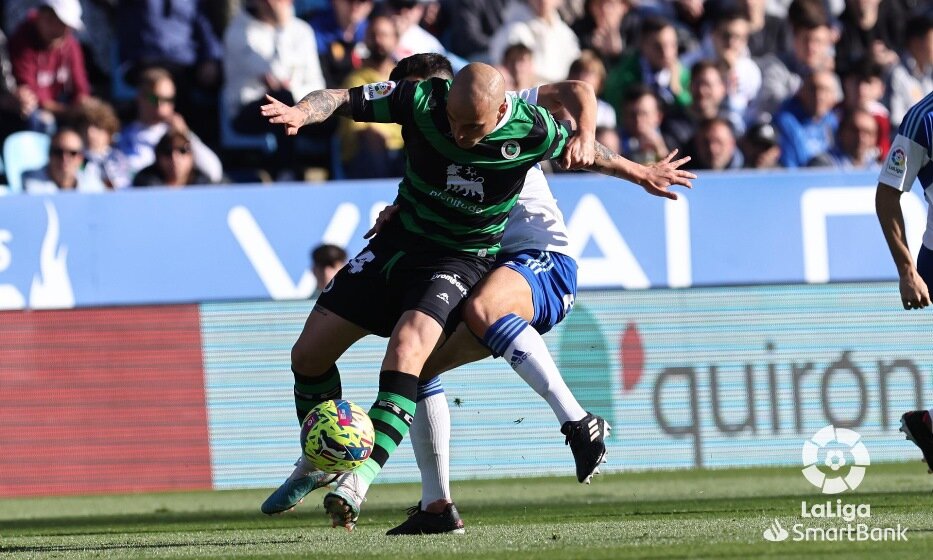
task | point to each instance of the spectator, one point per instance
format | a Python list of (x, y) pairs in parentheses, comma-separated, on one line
[(708, 94), (857, 142), (807, 124), (326, 260), (98, 125), (655, 64), (913, 77), (812, 50), (174, 166), (48, 63), (590, 69), (553, 44), (63, 171), (178, 37), (413, 39), (640, 136), (727, 45), (340, 32), (870, 29), (607, 28), (15, 103), (714, 146), (760, 147), (518, 67), (371, 150), (266, 52), (767, 32), (863, 88), (155, 104), (478, 21)]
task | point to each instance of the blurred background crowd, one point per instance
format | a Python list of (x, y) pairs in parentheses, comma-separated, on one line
[(115, 94)]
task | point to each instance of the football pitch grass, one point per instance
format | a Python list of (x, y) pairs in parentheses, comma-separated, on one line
[(678, 514)]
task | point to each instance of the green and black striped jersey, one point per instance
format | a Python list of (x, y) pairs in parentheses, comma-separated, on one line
[(451, 198)]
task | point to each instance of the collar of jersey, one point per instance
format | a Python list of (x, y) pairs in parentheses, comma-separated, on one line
[(505, 118)]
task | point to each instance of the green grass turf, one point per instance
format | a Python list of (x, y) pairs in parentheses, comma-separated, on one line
[(681, 514)]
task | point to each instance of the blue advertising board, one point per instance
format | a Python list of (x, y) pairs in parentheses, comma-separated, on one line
[(253, 242)]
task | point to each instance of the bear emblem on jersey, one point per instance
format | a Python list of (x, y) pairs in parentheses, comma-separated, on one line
[(465, 181)]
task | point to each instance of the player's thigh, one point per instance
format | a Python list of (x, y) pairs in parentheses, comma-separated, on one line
[(324, 338), (460, 349), (415, 336), (501, 292)]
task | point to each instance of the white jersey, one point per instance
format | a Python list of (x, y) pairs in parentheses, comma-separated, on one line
[(535, 221), (911, 157)]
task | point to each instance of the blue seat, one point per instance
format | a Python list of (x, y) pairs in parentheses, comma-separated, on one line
[(23, 151)]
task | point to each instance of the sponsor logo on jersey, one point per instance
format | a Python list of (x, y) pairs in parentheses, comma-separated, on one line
[(372, 92), (510, 149), (465, 181), (453, 279), (897, 162)]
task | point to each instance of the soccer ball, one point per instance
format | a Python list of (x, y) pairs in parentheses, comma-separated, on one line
[(337, 436)]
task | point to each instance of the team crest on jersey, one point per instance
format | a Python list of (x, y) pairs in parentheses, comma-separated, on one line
[(372, 92), (510, 149), (897, 162), (465, 181)]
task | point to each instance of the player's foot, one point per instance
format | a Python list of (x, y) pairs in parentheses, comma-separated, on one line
[(343, 502), (916, 426), (422, 522), (586, 438), (299, 484)]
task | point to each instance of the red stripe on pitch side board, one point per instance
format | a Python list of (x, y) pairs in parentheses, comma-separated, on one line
[(101, 401)]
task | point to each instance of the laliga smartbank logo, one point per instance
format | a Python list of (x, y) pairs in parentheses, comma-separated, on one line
[(835, 461)]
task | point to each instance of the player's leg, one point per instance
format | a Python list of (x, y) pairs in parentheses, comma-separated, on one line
[(435, 286), (325, 338), (523, 298), (916, 424), (339, 319)]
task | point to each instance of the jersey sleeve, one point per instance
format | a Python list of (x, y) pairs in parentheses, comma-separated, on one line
[(559, 132), (905, 160), (385, 102)]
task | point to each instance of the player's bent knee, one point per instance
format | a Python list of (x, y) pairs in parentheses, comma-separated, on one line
[(307, 362), (477, 316)]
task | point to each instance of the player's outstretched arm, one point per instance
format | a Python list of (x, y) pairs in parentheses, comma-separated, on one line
[(313, 108), (654, 178), (578, 100), (914, 291)]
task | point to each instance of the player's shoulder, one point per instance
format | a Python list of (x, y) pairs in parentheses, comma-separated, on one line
[(918, 122)]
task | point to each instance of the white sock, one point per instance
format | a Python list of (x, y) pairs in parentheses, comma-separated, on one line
[(430, 439), (522, 346)]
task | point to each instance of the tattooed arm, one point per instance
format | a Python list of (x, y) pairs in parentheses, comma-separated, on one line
[(654, 178), (313, 108)]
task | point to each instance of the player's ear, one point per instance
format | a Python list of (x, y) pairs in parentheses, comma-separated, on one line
[(502, 109)]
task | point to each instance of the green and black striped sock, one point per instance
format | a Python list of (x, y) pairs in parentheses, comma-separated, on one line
[(391, 414), (311, 391)]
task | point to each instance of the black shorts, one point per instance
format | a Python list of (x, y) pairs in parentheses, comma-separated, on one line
[(377, 286)]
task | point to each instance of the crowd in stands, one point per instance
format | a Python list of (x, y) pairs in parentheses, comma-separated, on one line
[(167, 92)]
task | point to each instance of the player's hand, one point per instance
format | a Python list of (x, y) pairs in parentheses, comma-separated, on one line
[(665, 173), (914, 292), (279, 113), (384, 216), (579, 152)]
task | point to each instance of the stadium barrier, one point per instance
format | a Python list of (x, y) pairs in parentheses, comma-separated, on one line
[(181, 397), (252, 243)]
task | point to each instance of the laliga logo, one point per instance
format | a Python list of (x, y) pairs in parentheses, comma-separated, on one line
[(835, 459)]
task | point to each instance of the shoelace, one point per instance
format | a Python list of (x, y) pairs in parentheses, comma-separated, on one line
[(413, 509)]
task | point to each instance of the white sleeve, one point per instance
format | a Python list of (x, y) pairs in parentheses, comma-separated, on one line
[(529, 95), (904, 161)]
